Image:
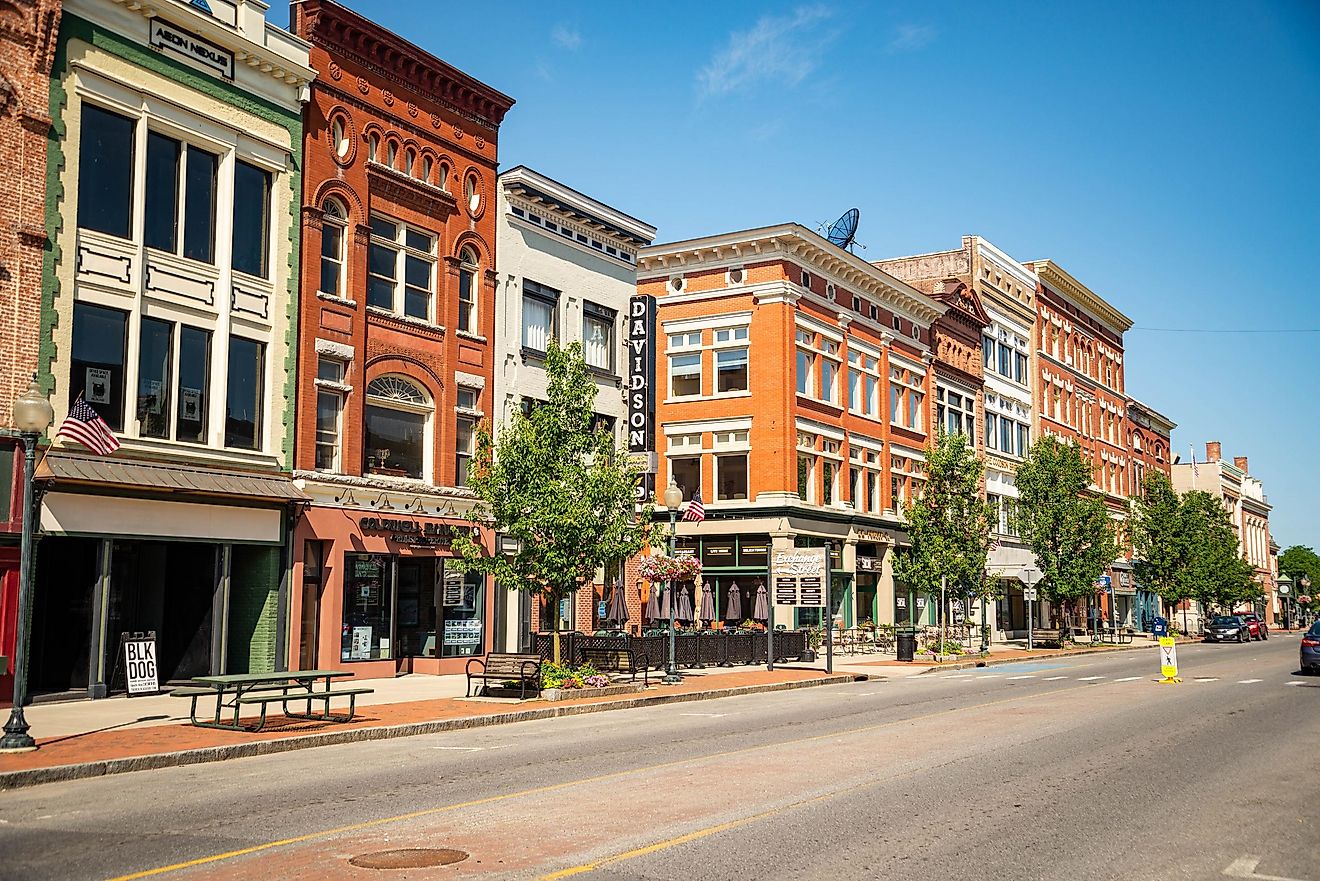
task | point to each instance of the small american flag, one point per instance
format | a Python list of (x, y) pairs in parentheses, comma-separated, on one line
[(696, 511), (84, 426)]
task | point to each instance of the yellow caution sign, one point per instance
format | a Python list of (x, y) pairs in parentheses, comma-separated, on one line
[(1168, 660)]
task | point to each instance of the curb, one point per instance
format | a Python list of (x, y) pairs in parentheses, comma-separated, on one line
[(83, 770), (995, 662)]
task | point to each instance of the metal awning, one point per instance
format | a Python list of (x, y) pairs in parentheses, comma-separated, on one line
[(167, 477)]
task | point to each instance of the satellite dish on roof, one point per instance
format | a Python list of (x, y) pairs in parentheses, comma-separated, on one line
[(843, 231)]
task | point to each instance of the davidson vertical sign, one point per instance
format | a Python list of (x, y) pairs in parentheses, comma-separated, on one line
[(641, 382)]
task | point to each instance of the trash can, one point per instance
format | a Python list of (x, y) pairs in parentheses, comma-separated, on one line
[(907, 645)]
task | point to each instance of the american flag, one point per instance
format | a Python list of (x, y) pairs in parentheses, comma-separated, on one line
[(84, 426), (696, 511)]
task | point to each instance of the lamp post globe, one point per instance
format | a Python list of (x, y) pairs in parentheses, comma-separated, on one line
[(33, 414), (673, 500)]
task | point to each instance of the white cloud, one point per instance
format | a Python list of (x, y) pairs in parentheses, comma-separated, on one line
[(566, 37), (778, 48), (910, 37)]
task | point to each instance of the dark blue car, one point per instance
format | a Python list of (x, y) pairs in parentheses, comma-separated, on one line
[(1311, 649)]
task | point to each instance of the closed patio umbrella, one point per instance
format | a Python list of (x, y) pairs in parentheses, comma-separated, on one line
[(761, 611), (653, 604), (684, 610), (707, 602), (618, 609), (733, 608)]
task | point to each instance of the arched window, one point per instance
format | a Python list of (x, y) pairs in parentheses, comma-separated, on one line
[(398, 429), (334, 222), (339, 135), (392, 155), (467, 290), (373, 148), (472, 192), (443, 177), (427, 165), (409, 160)]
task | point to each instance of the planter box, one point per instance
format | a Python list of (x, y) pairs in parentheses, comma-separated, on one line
[(568, 694)]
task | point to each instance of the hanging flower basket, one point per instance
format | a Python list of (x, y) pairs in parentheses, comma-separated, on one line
[(665, 568)]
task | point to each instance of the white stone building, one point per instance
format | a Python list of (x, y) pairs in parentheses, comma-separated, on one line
[(567, 266)]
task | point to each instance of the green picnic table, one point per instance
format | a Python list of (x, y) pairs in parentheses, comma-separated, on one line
[(234, 691)]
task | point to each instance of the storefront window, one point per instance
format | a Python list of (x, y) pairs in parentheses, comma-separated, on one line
[(463, 602), (367, 607), (717, 553), (754, 551)]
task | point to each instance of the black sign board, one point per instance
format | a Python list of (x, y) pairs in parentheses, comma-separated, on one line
[(641, 382)]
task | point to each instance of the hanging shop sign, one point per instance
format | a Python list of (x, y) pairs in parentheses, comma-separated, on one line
[(416, 533), (798, 577), (869, 564), (200, 53), (641, 383)]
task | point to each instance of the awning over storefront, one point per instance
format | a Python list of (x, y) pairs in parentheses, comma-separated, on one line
[(71, 468)]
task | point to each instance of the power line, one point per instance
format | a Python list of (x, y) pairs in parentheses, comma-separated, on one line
[(1227, 329)]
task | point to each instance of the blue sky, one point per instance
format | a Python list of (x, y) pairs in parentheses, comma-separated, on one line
[(1163, 153)]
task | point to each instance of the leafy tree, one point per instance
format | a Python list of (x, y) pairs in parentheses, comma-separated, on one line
[(1067, 528), (949, 524), (559, 487), (1297, 561), (1159, 541), (1214, 571)]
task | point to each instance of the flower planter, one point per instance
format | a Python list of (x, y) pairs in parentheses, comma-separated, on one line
[(568, 694)]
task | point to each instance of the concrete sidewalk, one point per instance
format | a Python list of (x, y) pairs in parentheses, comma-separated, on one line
[(141, 740)]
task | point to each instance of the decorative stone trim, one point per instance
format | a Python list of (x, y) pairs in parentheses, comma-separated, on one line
[(342, 351)]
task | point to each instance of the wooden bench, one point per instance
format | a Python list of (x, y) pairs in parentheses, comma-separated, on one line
[(1045, 635), (525, 669), (620, 660), (286, 697)]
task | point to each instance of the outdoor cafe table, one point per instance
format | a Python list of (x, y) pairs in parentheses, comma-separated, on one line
[(229, 690)]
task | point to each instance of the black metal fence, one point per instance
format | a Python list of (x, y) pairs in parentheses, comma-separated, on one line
[(716, 649)]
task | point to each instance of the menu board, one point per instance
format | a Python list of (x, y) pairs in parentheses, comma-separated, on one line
[(798, 577)]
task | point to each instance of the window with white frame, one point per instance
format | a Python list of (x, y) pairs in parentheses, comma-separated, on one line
[(465, 447), (179, 204), (907, 398), (905, 480), (251, 218), (329, 413), (731, 360), (955, 413), (731, 465), (830, 463), (863, 384), (334, 223), (540, 313), (829, 371), (598, 336), (819, 364), (806, 467), (468, 267), (401, 269), (864, 479), (806, 363), (685, 462), (397, 417)]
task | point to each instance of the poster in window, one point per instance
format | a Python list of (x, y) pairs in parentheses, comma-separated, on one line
[(97, 390), (190, 399), (463, 633), (453, 591), (361, 647), (156, 400)]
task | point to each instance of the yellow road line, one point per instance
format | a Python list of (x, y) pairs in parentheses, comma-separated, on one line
[(554, 787)]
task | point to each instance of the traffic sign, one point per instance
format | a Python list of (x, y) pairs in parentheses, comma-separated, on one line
[(1169, 659), (1029, 593), (1029, 575)]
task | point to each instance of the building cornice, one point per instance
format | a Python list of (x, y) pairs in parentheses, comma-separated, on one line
[(1064, 283), (1154, 418), (794, 242), (562, 199)]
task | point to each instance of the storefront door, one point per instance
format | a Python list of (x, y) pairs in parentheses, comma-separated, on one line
[(66, 575)]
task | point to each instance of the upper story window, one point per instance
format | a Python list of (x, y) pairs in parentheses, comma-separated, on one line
[(396, 440), (329, 413), (907, 398), (105, 178), (955, 413), (245, 393), (598, 336), (401, 267), (731, 360), (180, 197), (251, 220), (540, 308), (472, 194), (863, 384), (333, 225), (467, 290)]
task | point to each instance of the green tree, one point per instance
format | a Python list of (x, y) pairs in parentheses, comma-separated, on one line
[(559, 487), (949, 524), (1215, 573), (1066, 526), (1297, 560), (1159, 542)]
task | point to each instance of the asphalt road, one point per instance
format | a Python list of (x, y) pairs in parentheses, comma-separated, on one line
[(1078, 769)]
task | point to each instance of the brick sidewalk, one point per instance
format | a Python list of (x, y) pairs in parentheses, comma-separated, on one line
[(114, 751)]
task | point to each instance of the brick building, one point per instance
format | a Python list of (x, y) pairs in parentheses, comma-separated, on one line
[(794, 384), (27, 49), (170, 310), (395, 350), (1149, 444)]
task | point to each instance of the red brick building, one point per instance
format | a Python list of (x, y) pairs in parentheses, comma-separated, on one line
[(395, 359), (794, 385), (27, 48)]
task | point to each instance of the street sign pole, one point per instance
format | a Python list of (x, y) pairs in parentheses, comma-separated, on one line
[(829, 609), (1030, 576)]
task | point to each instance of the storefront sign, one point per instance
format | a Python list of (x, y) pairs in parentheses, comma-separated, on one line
[(869, 564), (876, 535), (199, 52), (140, 665), (799, 577), (641, 382), (415, 533)]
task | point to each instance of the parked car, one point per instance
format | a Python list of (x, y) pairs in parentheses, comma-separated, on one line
[(1228, 628), (1311, 649), (1259, 629)]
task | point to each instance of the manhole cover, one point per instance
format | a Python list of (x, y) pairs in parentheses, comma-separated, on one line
[(409, 858)]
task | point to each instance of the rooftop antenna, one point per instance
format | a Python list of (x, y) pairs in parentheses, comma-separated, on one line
[(843, 231)]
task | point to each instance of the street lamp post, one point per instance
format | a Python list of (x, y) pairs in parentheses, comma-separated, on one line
[(1305, 583), (673, 501), (32, 416)]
